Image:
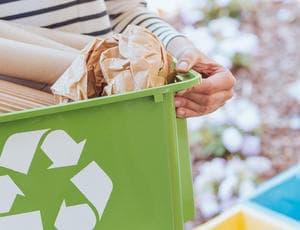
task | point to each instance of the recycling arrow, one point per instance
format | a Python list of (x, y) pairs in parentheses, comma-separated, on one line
[(30, 221), (77, 217), (19, 150), (95, 185), (61, 149), (17, 155), (8, 193)]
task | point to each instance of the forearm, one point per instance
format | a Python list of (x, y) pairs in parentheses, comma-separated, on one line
[(178, 45), (124, 12)]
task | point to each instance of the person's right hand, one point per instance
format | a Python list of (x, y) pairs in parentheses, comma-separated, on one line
[(216, 86)]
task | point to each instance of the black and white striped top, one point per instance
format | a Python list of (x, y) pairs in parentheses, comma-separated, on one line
[(91, 17)]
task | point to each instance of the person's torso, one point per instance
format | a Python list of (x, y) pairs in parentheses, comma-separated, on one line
[(78, 16)]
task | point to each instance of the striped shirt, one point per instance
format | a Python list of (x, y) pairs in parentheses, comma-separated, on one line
[(90, 17)]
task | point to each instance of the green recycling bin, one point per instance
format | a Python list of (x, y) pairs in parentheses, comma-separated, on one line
[(111, 163)]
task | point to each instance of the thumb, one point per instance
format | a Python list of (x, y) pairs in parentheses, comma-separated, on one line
[(186, 61)]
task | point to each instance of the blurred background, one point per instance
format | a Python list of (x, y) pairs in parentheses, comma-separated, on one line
[(257, 134)]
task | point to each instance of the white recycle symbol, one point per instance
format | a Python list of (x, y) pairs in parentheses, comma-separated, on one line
[(63, 151)]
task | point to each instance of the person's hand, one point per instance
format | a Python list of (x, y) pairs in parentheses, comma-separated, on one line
[(216, 86)]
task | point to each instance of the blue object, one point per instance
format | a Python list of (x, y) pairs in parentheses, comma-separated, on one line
[(283, 198)]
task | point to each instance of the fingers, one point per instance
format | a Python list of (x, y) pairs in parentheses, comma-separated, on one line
[(200, 104), (220, 81), (183, 113), (207, 100), (213, 91), (186, 60), (182, 102)]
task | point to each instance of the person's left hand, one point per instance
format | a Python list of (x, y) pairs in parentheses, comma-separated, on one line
[(215, 89)]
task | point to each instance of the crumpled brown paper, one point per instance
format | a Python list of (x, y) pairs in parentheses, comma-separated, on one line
[(140, 61), (130, 61), (83, 79)]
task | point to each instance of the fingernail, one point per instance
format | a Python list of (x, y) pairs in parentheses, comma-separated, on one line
[(183, 65), (177, 103), (180, 112)]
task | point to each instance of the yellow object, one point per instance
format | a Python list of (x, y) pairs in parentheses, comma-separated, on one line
[(246, 218)]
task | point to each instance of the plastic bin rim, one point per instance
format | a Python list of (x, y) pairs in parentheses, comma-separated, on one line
[(276, 180), (274, 214), (188, 80), (248, 210)]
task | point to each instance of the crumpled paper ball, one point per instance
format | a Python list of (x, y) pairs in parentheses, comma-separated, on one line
[(130, 61), (139, 61)]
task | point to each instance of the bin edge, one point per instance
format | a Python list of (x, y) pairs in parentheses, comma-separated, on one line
[(191, 79)]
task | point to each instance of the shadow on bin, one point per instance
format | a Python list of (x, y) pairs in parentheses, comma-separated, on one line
[(132, 143)]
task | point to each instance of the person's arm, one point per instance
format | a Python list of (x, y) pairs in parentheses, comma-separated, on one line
[(216, 87), (205, 98), (125, 12)]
